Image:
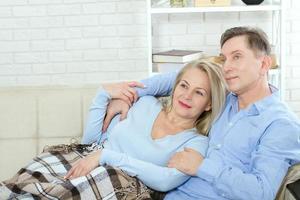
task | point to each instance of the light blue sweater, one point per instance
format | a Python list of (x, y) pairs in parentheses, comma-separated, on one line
[(129, 144)]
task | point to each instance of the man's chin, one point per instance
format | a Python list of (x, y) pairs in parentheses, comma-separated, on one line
[(233, 89)]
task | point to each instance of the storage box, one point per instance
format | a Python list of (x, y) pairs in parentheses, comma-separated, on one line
[(203, 3)]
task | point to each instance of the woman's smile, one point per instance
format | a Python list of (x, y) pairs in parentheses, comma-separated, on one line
[(184, 105)]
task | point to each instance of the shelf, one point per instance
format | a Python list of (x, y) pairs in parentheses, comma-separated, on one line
[(276, 9), (215, 9), (271, 72)]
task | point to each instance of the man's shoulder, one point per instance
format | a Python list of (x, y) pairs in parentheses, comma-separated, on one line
[(280, 110), (279, 116)]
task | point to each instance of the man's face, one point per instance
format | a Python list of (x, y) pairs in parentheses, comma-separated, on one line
[(242, 68)]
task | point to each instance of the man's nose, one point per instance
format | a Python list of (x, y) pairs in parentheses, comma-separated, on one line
[(226, 66)]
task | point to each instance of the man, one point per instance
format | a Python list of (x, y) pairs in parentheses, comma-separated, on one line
[(256, 138)]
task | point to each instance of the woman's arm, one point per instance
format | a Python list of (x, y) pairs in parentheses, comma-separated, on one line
[(158, 85), (160, 178), (97, 111), (157, 177)]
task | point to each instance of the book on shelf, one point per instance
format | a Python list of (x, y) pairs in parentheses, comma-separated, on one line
[(176, 56), (168, 67)]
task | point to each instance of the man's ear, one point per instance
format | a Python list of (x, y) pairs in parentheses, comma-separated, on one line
[(266, 64)]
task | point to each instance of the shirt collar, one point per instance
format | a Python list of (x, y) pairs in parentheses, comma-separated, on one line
[(257, 107)]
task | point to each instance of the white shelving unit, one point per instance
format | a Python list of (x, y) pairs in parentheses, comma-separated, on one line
[(278, 27)]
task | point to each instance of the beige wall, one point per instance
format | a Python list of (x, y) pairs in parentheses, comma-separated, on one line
[(32, 117)]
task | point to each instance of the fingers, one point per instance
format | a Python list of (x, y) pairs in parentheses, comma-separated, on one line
[(76, 171), (107, 121), (130, 93), (171, 163), (136, 84), (115, 107), (128, 97), (123, 114), (132, 90), (133, 93), (188, 149), (69, 174)]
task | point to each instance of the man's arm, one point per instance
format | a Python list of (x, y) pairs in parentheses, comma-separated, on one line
[(270, 161)]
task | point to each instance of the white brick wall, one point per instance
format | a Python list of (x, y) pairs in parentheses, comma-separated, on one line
[(293, 54), (88, 41), (71, 41)]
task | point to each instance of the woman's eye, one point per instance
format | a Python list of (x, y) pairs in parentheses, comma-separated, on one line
[(183, 86), (200, 93)]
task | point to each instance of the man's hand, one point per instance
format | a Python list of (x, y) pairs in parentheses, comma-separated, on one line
[(187, 161), (84, 166), (124, 90), (115, 107)]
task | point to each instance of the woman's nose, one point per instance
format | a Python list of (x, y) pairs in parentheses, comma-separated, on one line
[(188, 94)]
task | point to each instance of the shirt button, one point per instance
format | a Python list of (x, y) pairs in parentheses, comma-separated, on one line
[(218, 146), (223, 195), (230, 124)]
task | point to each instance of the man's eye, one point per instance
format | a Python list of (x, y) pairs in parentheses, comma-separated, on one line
[(236, 57)]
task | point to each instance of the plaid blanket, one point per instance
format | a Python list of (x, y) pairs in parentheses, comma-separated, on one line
[(43, 178)]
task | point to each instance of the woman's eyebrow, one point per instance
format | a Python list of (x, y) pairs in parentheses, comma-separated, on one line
[(200, 88)]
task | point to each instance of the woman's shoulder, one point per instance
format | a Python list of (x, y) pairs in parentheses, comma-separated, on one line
[(196, 136), (197, 142), (145, 104), (147, 100)]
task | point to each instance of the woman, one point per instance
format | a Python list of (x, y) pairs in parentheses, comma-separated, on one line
[(142, 144)]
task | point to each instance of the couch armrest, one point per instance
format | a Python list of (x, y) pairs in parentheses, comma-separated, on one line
[(294, 189)]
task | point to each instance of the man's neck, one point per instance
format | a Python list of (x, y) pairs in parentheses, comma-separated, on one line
[(253, 95)]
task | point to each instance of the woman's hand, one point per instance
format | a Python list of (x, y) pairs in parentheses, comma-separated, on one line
[(115, 106), (84, 166), (124, 91)]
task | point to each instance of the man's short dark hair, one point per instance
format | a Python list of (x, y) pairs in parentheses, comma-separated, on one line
[(256, 38)]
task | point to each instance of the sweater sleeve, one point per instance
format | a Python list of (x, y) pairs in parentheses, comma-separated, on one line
[(97, 111), (158, 85), (157, 177)]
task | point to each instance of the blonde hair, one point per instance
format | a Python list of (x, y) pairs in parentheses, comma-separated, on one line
[(218, 93)]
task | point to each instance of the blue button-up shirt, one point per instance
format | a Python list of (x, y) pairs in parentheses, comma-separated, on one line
[(250, 150)]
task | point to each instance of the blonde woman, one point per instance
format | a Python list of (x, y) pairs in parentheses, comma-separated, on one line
[(143, 143)]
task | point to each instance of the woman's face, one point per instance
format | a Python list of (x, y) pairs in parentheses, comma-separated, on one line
[(192, 94)]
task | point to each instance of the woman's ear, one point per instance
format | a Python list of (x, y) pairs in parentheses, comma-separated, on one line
[(208, 107)]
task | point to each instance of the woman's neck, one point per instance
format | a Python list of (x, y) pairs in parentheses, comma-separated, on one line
[(178, 122)]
